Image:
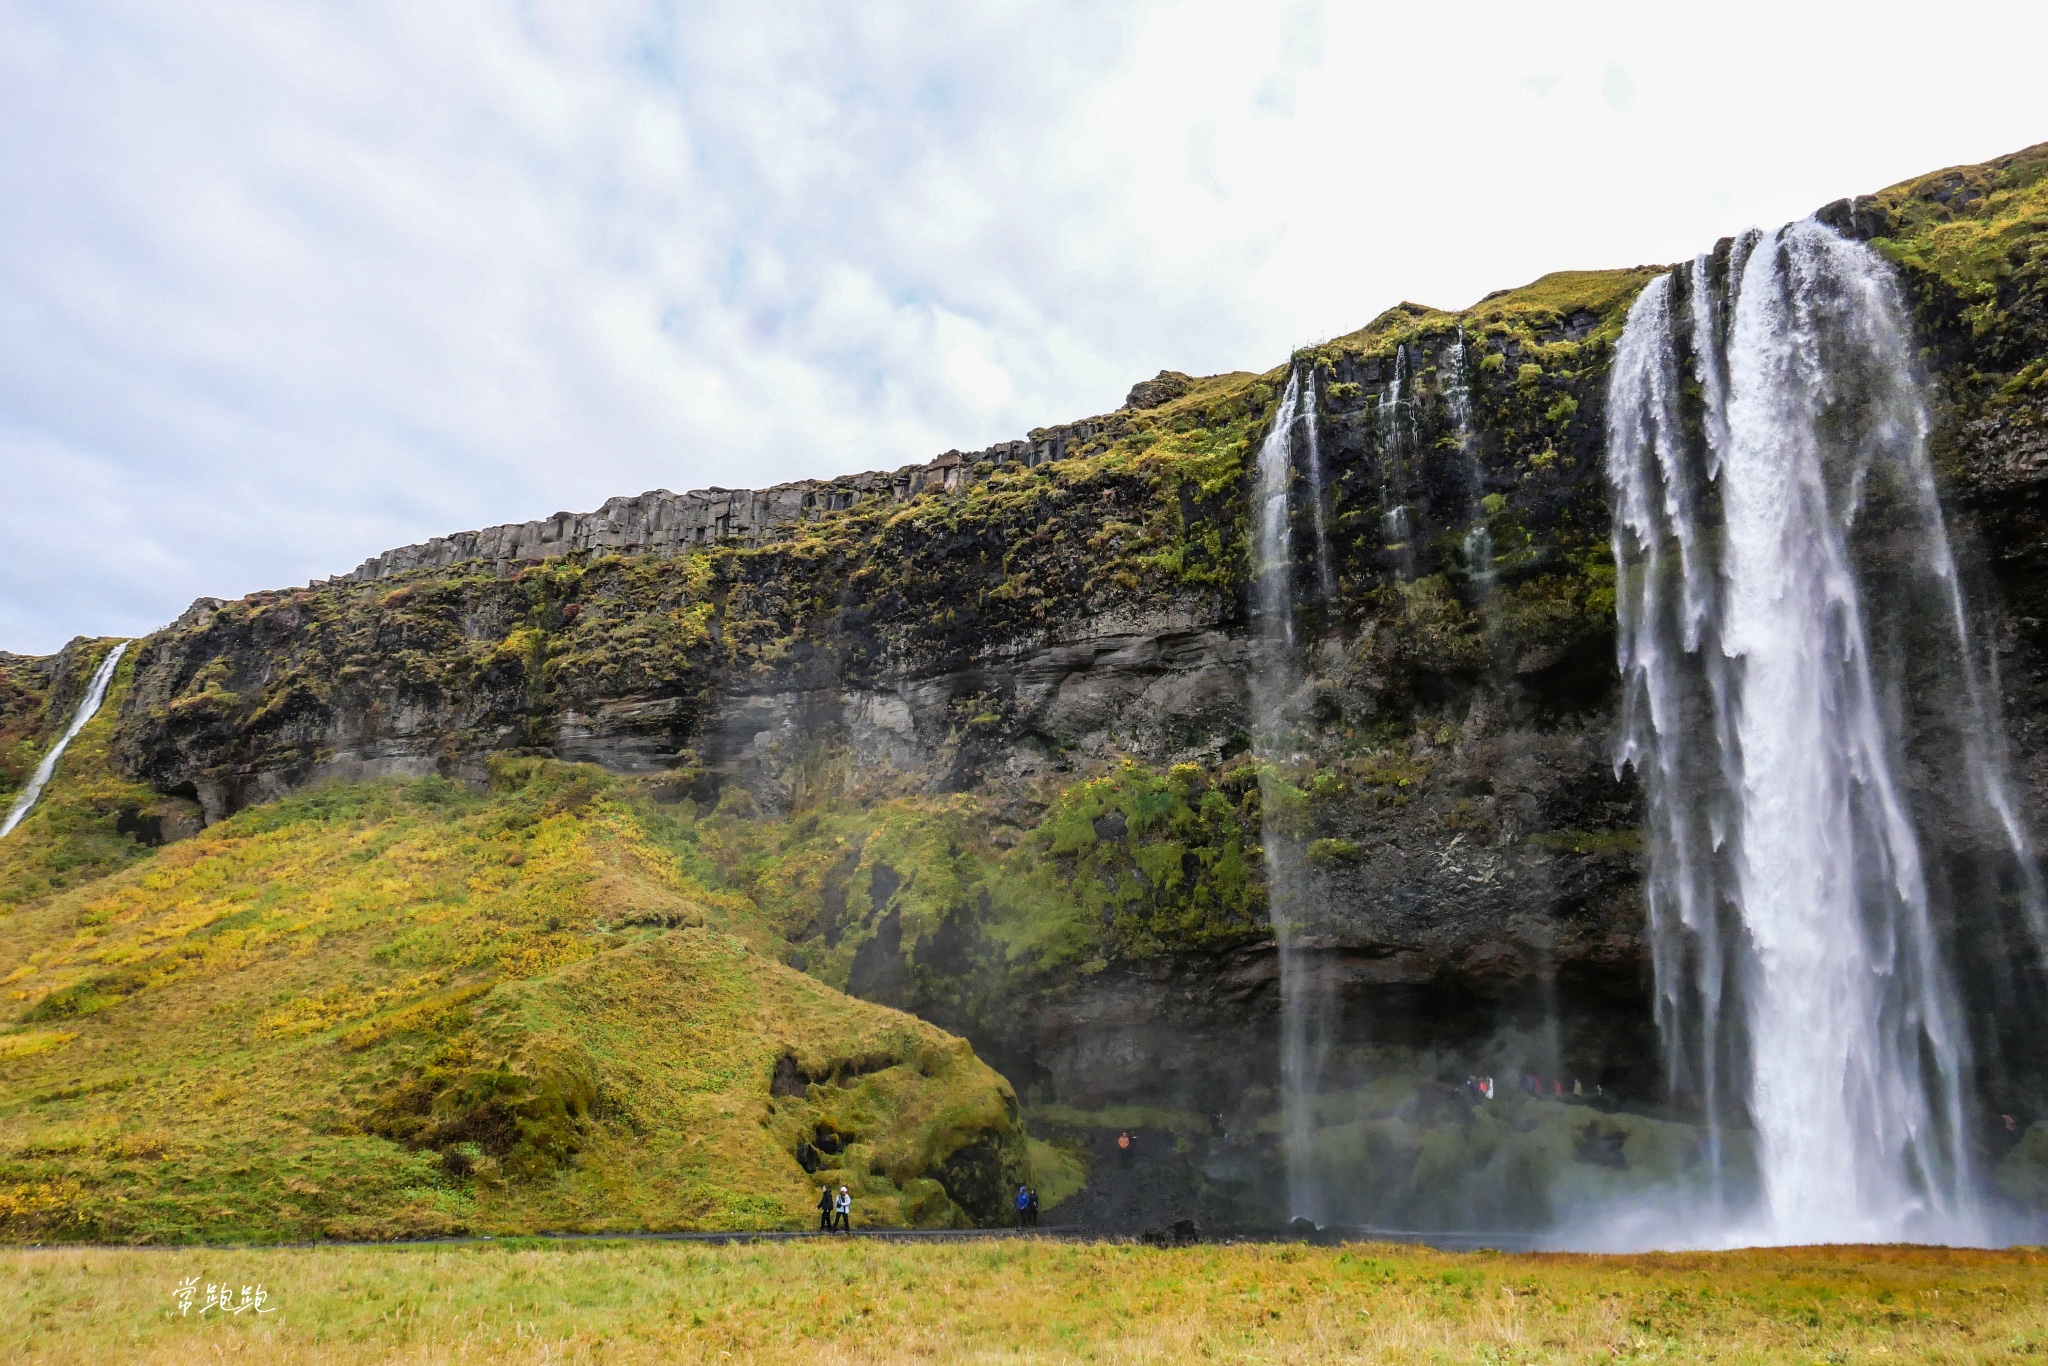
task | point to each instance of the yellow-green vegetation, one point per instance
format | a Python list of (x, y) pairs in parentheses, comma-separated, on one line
[(399, 1009), (1056, 1173), (1973, 255), (1025, 1300), (1121, 864), (1973, 227), (1539, 313)]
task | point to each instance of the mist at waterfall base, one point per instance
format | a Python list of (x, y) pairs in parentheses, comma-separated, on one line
[(1795, 639)]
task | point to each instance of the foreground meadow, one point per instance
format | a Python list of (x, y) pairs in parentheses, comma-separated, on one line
[(1022, 1300)]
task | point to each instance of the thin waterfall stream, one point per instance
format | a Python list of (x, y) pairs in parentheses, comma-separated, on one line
[(1392, 420), (1305, 406), (95, 693), (1455, 379), (1306, 1003), (1785, 582)]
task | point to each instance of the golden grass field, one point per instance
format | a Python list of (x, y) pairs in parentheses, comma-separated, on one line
[(1017, 1299)]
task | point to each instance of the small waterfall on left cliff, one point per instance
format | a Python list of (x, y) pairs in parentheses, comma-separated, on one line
[(95, 693), (1793, 642), (1305, 1004)]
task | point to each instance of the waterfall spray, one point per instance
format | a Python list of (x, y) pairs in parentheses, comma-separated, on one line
[(1804, 995), (95, 693)]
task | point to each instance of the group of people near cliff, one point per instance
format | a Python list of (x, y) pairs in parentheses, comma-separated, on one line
[(835, 1210), (1482, 1087)]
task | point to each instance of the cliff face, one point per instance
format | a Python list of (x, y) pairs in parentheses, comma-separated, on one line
[(664, 523), (25, 683), (974, 733)]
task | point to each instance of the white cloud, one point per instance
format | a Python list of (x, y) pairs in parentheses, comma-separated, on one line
[(1617, 87), (283, 285)]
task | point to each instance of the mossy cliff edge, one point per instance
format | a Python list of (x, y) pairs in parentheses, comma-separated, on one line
[(975, 746)]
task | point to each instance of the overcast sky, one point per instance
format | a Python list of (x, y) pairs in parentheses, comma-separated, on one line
[(285, 284)]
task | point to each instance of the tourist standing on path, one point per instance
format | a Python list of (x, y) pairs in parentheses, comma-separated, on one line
[(1031, 1209), (826, 1204), (844, 1211), (1123, 1147), (1023, 1207)]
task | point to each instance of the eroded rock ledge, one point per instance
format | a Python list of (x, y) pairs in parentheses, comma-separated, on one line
[(659, 522)]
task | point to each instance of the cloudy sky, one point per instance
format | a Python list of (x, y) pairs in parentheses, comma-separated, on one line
[(285, 284)]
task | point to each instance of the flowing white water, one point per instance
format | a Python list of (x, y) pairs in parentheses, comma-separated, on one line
[(1391, 417), (1392, 410), (1803, 993), (95, 693), (1454, 376), (1457, 386), (1304, 1003), (1478, 549), (1272, 554), (1326, 581)]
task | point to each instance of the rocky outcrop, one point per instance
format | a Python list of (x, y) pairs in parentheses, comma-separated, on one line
[(1165, 387), (663, 523)]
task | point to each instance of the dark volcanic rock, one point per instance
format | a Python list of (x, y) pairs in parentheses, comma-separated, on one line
[(1167, 386)]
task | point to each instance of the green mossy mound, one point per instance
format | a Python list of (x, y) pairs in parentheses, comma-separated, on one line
[(398, 1009)]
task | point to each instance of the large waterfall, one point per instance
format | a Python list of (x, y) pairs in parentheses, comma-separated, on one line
[(95, 693), (1792, 636), (1305, 1000)]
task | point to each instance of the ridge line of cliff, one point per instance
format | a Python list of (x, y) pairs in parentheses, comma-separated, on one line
[(660, 522)]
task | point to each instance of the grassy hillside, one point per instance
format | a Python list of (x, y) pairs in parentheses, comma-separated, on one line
[(398, 1009), (1031, 1301)]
